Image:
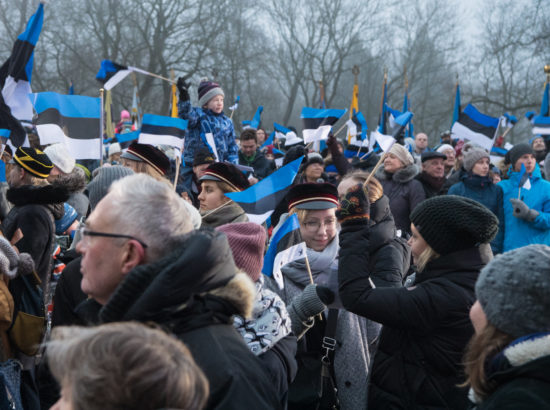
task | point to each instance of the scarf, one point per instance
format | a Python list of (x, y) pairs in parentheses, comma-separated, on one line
[(229, 213), (435, 183), (269, 322)]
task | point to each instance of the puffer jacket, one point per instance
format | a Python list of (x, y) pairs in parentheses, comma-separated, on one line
[(202, 121), (517, 232)]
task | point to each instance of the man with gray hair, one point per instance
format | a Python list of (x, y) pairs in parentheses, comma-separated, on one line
[(142, 261)]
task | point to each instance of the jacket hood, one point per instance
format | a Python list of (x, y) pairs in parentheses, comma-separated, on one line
[(401, 176), (73, 182), (203, 264), (38, 195)]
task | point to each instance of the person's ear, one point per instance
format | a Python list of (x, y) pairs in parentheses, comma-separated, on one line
[(134, 255)]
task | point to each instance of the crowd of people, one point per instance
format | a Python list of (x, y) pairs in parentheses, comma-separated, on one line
[(423, 283)]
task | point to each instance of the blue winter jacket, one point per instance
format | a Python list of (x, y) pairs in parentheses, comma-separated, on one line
[(482, 190), (517, 232), (202, 121)]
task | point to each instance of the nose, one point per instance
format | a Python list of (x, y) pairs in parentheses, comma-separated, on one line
[(80, 247), (409, 241)]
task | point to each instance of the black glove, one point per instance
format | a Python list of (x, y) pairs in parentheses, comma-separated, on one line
[(183, 89), (354, 207), (522, 211)]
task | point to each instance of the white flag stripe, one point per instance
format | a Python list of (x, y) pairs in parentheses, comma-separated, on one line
[(464, 133), (15, 95), (155, 139), (210, 140), (293, 253), (541, 130), (385, 141), (115, 79), (316, 134), (78, 148)]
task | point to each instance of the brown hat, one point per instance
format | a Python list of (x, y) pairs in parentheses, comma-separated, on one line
[(148, 154)]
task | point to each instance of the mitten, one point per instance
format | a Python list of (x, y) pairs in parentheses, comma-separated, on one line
[(355, 206), (183, 89), (522, 211)]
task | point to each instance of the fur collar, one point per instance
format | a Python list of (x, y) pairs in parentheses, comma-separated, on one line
[(402, 176), (37, 195), (527, 349), (73, 182)]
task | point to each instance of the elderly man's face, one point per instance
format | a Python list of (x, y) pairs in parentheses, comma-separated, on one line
[(102, 257)]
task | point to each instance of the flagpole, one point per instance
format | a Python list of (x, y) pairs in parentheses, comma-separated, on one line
[(101, 125), (382, 98), (378, 165), (310, 277), (178, 162), (139, 70)]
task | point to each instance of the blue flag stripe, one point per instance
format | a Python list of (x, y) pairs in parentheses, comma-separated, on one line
[(5, 133), (76, 106), (34, 27), (108, 69), (129, 136), (283, 239), (308, 112), (541, 120), (480, 118), (160, 120), (280, 128)]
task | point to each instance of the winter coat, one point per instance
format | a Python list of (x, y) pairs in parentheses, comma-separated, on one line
[(194, 292), (230, 213), (202, 121), (517, 232), (34, 211), (68, 295), (521, 375), (425, 328), (430, 189), (404, 193), (482, 190), (75, 183), (262, 166)]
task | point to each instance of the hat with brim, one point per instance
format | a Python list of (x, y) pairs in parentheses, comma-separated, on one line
[(314, 196), (148, 154), (228, 173)]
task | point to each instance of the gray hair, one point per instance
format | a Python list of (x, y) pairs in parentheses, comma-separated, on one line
[(125, 365), (151, 211)]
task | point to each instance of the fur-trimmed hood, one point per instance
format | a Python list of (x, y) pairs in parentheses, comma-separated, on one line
[(201, 272), (73, 182), (401, 176), (48, 195)]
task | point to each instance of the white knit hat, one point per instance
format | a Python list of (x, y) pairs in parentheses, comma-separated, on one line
[(402, 154), (60, 157), (114, 148)]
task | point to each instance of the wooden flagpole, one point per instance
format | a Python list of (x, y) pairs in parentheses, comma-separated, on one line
[(101, 125)]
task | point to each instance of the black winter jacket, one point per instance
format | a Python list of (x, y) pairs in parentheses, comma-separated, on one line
[(426, 327), (193, 292), (262, 166), (404, 193), (34, 211)]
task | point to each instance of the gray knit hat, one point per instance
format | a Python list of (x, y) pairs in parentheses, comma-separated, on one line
[(208, 90), (402, 154), (472, 156), (105, 176), (514, 290)]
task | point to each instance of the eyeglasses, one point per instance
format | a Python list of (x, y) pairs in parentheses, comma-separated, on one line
[(313, 226), (86, 232)]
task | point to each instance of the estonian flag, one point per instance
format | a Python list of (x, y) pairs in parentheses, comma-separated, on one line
[(318, 123), (357, 127), (15, 74), (290, 136), (383, 111), (236, 105), (476, 127), (260, 200), (10, 127), (524, 181), (285, 246), (110, 73), (508, 120), (386, 141), (255, 123), (161, 130), (73, 120), (126, 139)]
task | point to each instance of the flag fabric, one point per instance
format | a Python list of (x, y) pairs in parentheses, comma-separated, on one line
[(16, 72), (173, 101), (260, 200), (317, 123), (386, 141), (255, 122), (110, 73), (290, 136), (10, 127), (409, 130), (71, 88), (383, 113), (477, 127), (357, 127), (286, 246), (456, 109), (161, 130), (524, 181), (269, 140), (508, 120), (236, 105), (354, 107), (541, 122), (73, 120), (127, 138), (136, 109)]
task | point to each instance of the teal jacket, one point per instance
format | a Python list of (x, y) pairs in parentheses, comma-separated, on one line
[(517, 232)]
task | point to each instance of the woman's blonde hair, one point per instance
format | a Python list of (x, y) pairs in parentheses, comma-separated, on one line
[(426, 256), (375, 187), (481, 347)]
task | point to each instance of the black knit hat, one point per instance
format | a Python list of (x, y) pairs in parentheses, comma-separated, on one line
[(517, 152), (293, 154), (33, 161), (450, 223), (312, 158), (203, 156), (313, 195), (228, 173), (431, 155), (148, 154)]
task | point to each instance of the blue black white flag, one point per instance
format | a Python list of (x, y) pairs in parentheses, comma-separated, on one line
[(260, 200), (357, 127), (126, 139), (73, 120), (269, 140), (286, 246), (317, 123), (508, 120), (290, 136), (161, 130), (16, 72), (474, 126), (524, 181), (541, 122), (111, 73), (383, 117)]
